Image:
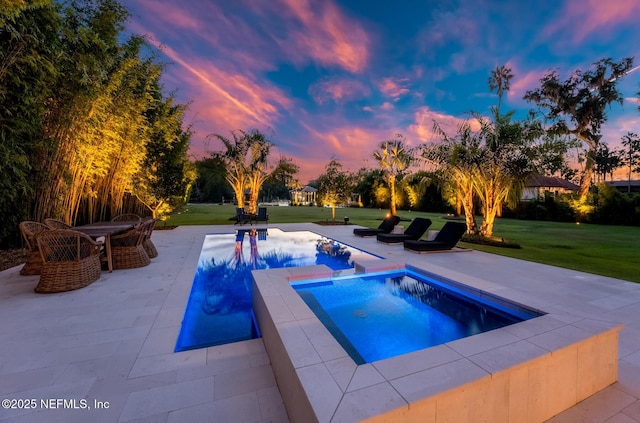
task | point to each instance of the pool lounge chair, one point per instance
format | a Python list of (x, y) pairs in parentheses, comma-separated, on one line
[(446, 239), (415, 230), (385, 227), (262, 215), (242, 217)]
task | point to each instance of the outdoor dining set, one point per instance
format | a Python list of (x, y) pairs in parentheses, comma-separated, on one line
[(71, 257)]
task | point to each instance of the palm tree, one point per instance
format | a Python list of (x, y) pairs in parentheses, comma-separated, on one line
[(245, 158), (393, 158), (500, 80), (458, 156), (233, 159)]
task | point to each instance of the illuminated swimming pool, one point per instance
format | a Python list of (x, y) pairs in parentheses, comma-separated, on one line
[(384, 315), (219, 309)]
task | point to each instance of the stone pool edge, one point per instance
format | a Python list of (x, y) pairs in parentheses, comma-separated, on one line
[(529, 371)]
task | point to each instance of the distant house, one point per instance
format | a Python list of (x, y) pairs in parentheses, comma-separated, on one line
[(537, 186), (304, 196), (623, 186)]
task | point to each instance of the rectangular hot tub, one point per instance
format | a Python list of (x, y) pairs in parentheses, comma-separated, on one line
[(523, 372), (385, 314)]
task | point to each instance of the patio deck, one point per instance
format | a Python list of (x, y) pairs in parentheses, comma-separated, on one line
[(113, 341)]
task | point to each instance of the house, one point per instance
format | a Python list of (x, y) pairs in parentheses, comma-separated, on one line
[(537, 186), (304, 196), (626, 186)]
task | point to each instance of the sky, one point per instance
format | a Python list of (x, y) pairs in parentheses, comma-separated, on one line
[(335, 78)]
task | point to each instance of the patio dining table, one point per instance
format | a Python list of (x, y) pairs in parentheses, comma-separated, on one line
[(106, 229)]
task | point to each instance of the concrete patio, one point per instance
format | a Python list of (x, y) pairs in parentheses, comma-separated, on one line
[(112, 342)]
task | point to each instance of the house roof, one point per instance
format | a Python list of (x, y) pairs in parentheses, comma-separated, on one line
[(306, 189), (633, 183), (551, 182)]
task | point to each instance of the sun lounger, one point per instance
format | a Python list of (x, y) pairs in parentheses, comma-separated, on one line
[(385, 227), (415, 230), (446, 239)]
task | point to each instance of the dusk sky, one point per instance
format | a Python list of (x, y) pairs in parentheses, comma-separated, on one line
[(330, 77)]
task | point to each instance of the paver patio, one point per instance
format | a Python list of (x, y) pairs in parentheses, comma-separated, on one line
[(113, 341)]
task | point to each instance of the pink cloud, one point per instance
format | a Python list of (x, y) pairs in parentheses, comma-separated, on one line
[(584, 17), (169, 15), (422, 128), (326, 35), (338, 90), (392, 87), (521, 83), (387, 106)]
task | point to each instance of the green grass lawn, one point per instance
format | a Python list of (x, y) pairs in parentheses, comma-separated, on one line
[(604, 250)]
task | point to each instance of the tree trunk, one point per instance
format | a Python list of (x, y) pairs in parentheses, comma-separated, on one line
[(587, 174), (392, 186), (467, 205)]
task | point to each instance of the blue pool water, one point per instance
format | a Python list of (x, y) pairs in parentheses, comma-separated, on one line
[(219, 309), (383, 315)]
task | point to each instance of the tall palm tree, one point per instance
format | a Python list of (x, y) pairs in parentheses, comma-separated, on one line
[(500, 80), (393, 158), (245, 158), (233, 158)]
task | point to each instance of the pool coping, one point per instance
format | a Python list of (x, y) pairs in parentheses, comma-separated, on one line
[(320, 382)]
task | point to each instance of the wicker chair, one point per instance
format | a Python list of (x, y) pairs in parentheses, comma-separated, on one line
[(29, 231), (127, 251), (57, 224), (147, 244), (127, 218), (71, 260)]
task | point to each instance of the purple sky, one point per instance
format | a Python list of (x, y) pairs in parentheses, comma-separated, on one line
[(324, 77)]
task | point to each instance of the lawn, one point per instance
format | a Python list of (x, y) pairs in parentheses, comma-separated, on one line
[(604, 250)]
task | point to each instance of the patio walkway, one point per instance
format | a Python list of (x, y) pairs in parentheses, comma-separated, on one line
[(112, 342)]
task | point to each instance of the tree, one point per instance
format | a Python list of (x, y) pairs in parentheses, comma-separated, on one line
[(631, 156), (393, 158), (500, 80), (457, 156), (506, 159), (577, 105), (607, 161), (280, 180), (245, 159), (334, 186), (167, 175), (491, 163), (210, 185)]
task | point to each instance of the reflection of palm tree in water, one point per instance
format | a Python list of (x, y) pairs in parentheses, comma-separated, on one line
[(238, 258), (253, 242)]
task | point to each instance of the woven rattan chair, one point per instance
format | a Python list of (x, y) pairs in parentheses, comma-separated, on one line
[(56, 224), (127, 251), (29, 231), (127, 218), (71, 260), (147, 244)]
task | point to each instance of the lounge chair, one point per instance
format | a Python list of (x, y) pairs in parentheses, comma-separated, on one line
[(262, 215), (241, 217), (70, 260), (415, 230), (30, 230), (385, 227), (446, 239)]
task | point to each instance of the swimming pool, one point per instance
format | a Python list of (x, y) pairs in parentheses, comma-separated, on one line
[(383, 315), (219, 307)]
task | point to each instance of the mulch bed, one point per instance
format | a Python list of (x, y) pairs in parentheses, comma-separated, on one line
[(12, 257)]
